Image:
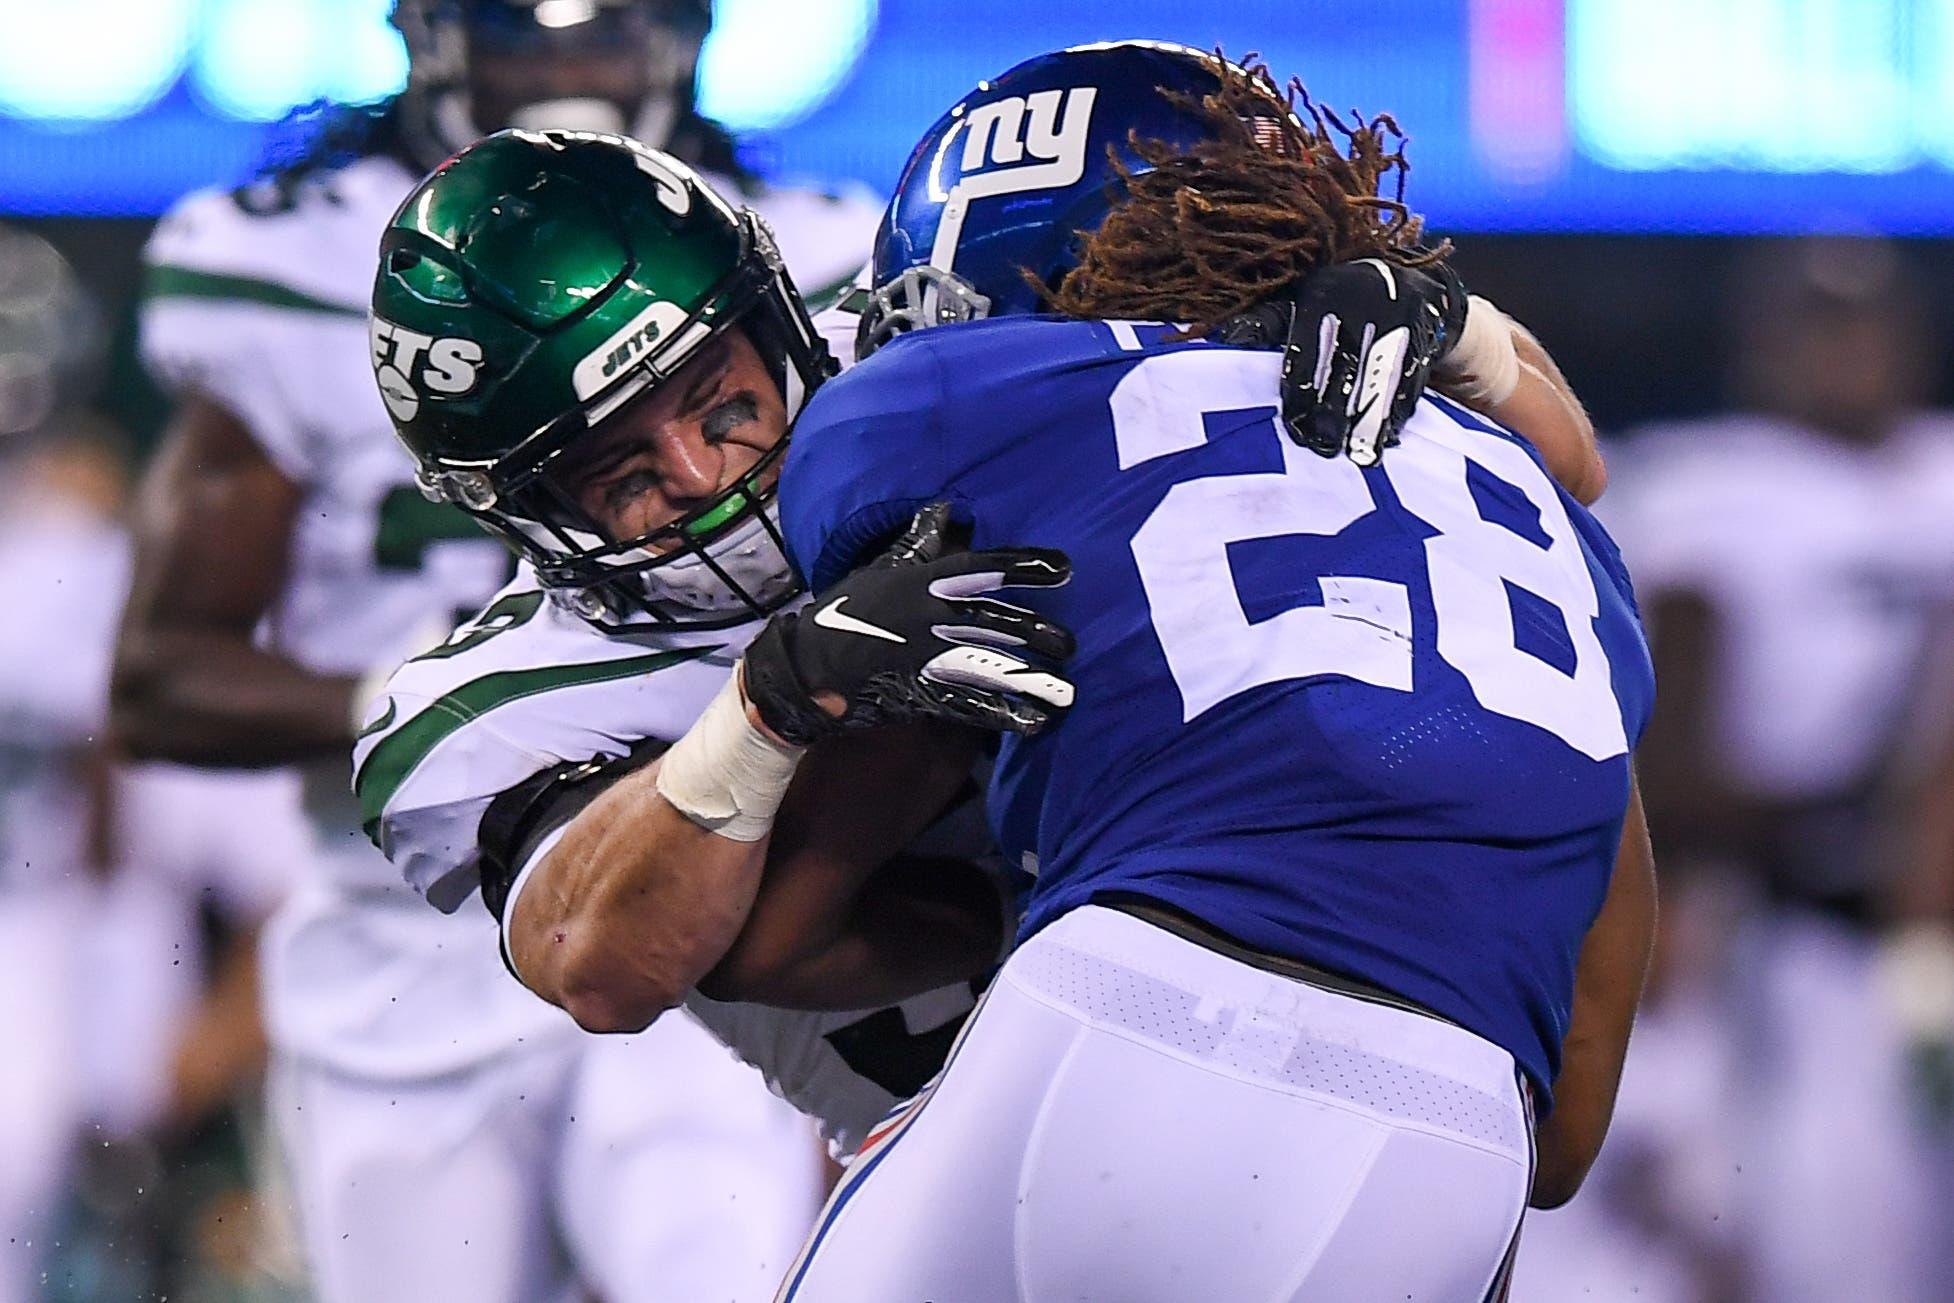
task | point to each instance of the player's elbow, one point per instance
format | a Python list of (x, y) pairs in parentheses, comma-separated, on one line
[(1593, 479), (599, 1009), (1553, 1187), (602, 975), (600, 997), (1564, 1150), (138, 684)]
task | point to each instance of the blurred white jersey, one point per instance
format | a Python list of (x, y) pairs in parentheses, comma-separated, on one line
[(527, 687), (261, 304), (259, 301), (1828, 566), (62, 575)]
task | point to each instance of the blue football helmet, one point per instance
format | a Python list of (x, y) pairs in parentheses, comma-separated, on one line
[(1009, 180)]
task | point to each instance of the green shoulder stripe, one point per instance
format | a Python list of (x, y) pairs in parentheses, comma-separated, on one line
[(165, 281), (399, 754), (830, 294)]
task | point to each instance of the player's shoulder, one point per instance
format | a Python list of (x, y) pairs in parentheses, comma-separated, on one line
[(516, 677), (523, 686), (991, 356), (891, 433), (302, 245)]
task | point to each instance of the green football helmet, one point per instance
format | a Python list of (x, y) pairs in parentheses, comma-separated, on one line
[(534, 286)]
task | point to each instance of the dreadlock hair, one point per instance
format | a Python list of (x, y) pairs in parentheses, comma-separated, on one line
[(1279, 188)]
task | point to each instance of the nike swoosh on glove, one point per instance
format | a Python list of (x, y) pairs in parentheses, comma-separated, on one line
[(914, 634), (1360, 342)]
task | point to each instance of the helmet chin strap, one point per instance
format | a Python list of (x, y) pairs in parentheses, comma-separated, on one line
[(456, 125), (579, 113)]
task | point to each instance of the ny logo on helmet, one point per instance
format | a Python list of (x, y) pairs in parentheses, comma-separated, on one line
[(1050, 126), (407, 363)]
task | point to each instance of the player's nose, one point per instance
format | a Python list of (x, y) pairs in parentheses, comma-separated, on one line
[(688, 465)]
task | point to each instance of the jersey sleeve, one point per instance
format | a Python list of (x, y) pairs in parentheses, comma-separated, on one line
[(515, 693), (426, 774), (64, 577), (867, 453), (220, 318)]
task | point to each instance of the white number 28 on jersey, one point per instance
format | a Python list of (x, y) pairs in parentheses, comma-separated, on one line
[(1363, 628)]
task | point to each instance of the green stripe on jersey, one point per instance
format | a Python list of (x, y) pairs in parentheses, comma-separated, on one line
[(165, 281), (400, 753), (830, 294)]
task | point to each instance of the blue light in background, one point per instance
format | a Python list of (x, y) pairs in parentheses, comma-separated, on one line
[(91, 60), (1728, 115), (1788, 86), (768, 62), (257, 60)]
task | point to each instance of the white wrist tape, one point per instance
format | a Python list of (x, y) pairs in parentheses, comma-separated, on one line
[(725, 774), (1915, 974), (1483, 367)]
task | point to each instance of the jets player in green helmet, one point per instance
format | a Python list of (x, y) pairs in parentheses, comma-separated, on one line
[(534, 305), (286, 557), (597, 357)]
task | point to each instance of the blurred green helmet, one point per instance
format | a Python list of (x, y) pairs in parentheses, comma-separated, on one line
[(535, 285)]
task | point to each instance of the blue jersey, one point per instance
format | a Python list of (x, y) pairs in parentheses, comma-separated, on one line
[(1375, 720)]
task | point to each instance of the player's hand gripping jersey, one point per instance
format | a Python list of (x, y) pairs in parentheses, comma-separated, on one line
[(1375, 720), (527, 687)]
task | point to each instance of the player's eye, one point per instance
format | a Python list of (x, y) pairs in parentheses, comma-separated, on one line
[(624, 491), (728, 416)]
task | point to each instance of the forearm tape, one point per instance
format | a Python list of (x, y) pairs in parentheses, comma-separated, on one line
[(725, 774)]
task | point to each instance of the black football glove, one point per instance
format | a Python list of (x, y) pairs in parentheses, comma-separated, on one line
[(911, 635), (1362, 337)]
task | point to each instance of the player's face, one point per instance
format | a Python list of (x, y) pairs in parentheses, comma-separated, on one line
[(603, 58), (680, 446)]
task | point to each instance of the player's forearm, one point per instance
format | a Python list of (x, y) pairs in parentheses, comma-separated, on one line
[(211, 698), (630, 909), (1608, 982), (920, 924), (846, 919), (1543, 408)]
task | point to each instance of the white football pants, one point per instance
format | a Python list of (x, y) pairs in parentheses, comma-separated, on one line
[(40, 1089), (1133, 1118), (653, 1168)]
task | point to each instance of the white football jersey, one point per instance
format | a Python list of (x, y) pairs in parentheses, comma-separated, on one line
[(62, 574), (259, 301), (527, 687), (1831, 569)]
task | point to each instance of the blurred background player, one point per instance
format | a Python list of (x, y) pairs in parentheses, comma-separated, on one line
[(63, 567), (1795, 559), (448, 1135), (121, 1061)]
